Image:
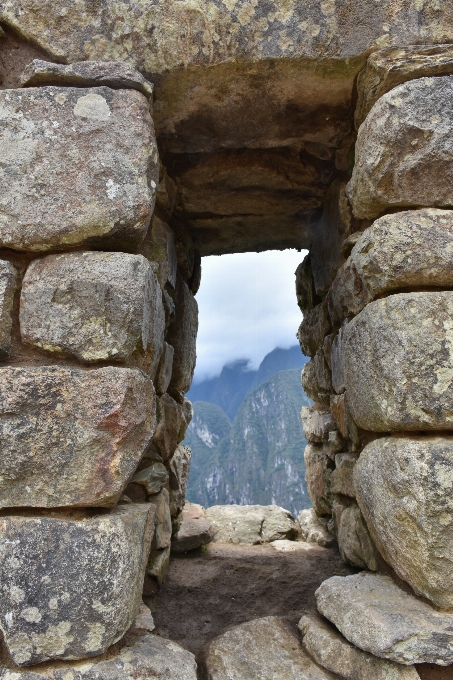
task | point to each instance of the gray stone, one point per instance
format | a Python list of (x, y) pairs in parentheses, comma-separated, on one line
[(318, 424), (380, 618), (103, 196), (313, 329), (96, 306), (144, 619), (398, 364), (250, 524), (165, 369), (152, 478), (342, 416), (159, 246), (183, 336), (337, 366), (332, 651), (403, 490), (341, 480), (8, 283), (305, 288), (150, 658), (314, 529), (354, 540), (194, 530), (163, 531), (261, 649), (71, 587), (404, 150), (169, 419), (316, 379), (179, 478), (407, 249), (318, 471), (158, 564), (114, 74), (71, 437)]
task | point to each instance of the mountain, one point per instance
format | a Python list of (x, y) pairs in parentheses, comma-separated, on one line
[(256, 458), (229, 389)]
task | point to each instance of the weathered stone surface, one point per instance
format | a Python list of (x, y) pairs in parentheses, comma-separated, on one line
[(164, 371), (402, 250), (305, 287), (354, 540), (195, 530), (318, 423), (336, 363), (393, 66), (316, 379), (402, 488), (71, 587), (286, 545), (314, 529), (313, 329), (104, 195), (117, 75), (403, 150), (179, 477), (8, 283), (150, 658), (380, 618), (261, 649), (342, 416), (169, 419), (163, 531), (250, 524), (144, 619), (71, 437), (159, 247), (152, 478), (398, 364), (318, 471), (183, 336), (158, 564), (332, 651), (341, 480), (97, 306)]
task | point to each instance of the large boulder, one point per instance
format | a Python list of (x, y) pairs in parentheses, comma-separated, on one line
[(71, 437), (96, 306), (402, 488), (397, 358), (149, 658), (250, 524), (82, 168), (8, 283), (261, 649), (380, 618), (403, 151), (71, 587)]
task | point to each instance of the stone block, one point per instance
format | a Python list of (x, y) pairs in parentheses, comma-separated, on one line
[(305, 287), (388, 68), (194, 531), (169, 419), (71, 587), (159, 246), (152, 478), (341, 480), (8, 283), (403, 151), (165, 369), (337, 366), (318, 471), (250, 524), (96, 306), (403, 490), (313, 329), (144, 619), (163, 531), (314, 529), (342, 416), (82, 168), (408, 249), (318, 423), (316, 379), (328, 648), (380, 618), (183, 336), (71, 437), (398, 363), (158, 563), (354, 540), (179, 477)]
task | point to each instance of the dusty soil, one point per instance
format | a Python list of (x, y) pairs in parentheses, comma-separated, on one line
[(207, 592)]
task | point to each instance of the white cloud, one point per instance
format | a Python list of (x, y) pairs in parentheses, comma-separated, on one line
[(247, 304)]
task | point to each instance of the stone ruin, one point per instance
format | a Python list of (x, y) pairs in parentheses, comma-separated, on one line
[(322, 125)]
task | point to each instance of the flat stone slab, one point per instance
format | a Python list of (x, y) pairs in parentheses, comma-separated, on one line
[(332, 651), (261, 649), (314, 530), (70, 437), (8, 283), (398, 363), (95, 306), (150, 658), (114, 74), (71, 587), (250, 524), (79, 166), (403, 152), (194, 531), (403, 491), (378, 617)]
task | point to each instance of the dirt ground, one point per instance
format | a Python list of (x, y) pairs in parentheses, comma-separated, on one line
[(207, 592)]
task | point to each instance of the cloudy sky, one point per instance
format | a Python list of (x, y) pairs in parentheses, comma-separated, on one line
[(247, 306)]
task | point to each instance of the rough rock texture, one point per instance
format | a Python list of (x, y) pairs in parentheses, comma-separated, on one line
[(380, 618), (150, 658), (159, 246), (261, 649), (169, 419), (403, 250), (8, 282), (354, 540), (144, 619), (403, 490), (162, 534), (183, 336), (398, 363), (71, 587), (104, 195), (97, 306), (393, 66), (317, 379), (319, 424), (314, 529), (250, 524), (315, 326), (158, 564), (403, 150), (105, 419), (341, 480), (332, 651), (165, 369), (152, 478), (318, 468), (194, 530), (116, 75), (179, 477)]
